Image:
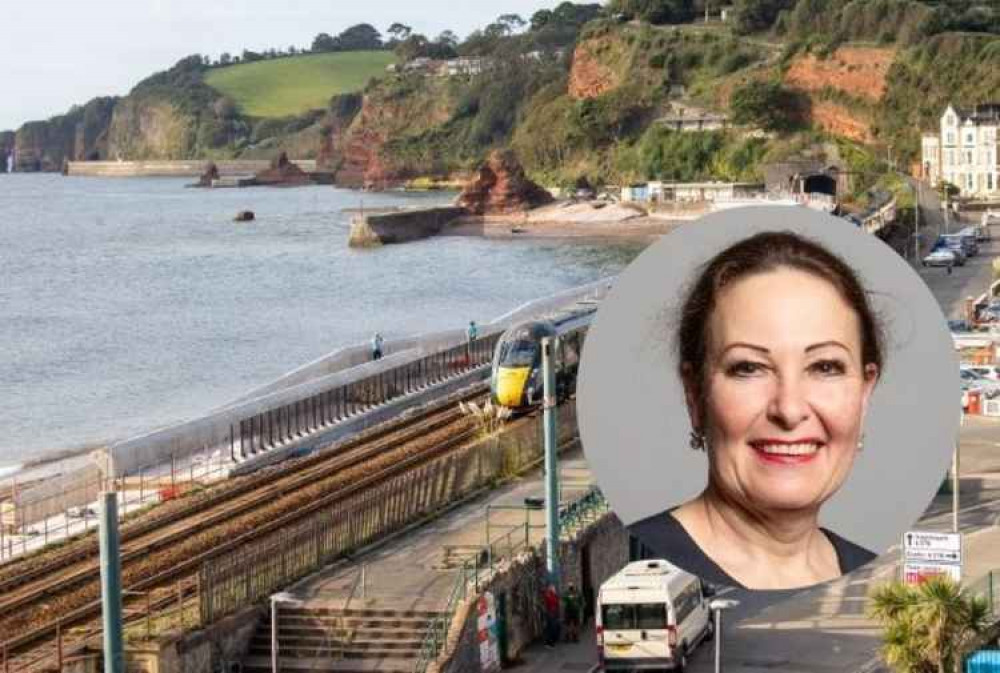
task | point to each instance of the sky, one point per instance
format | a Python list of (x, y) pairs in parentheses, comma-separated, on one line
[(58, 53)]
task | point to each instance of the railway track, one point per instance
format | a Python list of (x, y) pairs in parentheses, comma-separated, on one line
[(64, 591)]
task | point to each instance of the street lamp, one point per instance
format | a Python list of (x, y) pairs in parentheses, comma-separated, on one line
[(717, 606)]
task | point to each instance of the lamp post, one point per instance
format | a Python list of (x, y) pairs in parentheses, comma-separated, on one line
[(551, 460), (717, 606)]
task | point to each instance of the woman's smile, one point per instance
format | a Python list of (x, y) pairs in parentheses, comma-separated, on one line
[(786, 452)]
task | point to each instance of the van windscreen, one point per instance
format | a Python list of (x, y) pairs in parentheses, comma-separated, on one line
[(634, 616)]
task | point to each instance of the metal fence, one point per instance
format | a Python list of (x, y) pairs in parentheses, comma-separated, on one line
[(29, 524), (288, 422)]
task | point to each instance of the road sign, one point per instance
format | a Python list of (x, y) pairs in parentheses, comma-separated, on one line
[(915, 573), (927, 553)]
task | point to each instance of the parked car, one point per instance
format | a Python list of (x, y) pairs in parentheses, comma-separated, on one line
[(942, 257), (959, 326), (989, 372), (972, 382), (964, 242)]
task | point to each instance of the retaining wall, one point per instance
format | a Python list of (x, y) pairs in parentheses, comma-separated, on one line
[(520, 583), (180, 168), (408, 225)]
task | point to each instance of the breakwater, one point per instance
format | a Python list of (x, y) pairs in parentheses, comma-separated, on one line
[(178, 169), (402, 226)]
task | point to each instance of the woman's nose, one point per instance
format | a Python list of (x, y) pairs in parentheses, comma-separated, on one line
[(788, 405)]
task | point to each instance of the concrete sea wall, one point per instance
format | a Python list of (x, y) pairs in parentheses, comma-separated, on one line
[(187, 168), (408, 225)]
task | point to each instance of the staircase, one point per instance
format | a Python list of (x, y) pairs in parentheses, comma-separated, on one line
[(340, 641)]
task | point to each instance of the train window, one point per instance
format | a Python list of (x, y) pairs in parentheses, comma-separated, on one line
[(518, 354)]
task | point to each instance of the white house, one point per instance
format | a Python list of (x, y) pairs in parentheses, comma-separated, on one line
[(964, 152)]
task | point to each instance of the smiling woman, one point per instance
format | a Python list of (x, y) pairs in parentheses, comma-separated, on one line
[(779, 351), (776, 342)]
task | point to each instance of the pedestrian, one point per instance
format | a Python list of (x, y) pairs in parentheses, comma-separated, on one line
[(473, 331), (550, 602), (377, 341), (571, 614)]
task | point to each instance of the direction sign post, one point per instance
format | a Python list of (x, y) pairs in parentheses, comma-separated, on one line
[(927, 553)]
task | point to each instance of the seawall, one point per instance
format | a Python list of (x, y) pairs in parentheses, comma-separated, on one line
[(181, 169), (400, 227)]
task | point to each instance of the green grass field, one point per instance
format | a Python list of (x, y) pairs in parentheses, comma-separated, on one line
[(296, 84)]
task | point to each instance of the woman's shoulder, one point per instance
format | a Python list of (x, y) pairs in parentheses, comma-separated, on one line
[(664, 536), (850, 556)]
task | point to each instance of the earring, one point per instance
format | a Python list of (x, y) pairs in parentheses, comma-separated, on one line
[(861, 443), (697, 441)]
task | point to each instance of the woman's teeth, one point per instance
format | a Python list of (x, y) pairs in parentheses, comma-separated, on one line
[(788, 449)]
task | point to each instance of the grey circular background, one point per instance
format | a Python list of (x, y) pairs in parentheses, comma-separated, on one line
[(634, 426)]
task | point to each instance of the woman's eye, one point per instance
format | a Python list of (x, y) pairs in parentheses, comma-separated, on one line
[(828, 367), (744, 368)]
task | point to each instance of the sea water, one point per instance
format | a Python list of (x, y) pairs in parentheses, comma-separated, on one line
[(128, 304)]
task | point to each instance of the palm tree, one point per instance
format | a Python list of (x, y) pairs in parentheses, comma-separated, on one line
[(928, 627)]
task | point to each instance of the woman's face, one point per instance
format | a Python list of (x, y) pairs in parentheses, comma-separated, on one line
[(785, 393)]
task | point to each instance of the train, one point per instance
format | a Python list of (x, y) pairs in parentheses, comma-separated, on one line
[(516, 376)]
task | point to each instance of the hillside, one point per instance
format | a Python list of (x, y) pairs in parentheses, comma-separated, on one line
[(578, 94), (292, 86)]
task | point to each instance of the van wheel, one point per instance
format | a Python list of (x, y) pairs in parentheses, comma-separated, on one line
[(683, 662)]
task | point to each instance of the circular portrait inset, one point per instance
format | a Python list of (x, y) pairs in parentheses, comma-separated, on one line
[(769, 397)]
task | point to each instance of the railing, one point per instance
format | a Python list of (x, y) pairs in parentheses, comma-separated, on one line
[(33, 524), (572, 517)]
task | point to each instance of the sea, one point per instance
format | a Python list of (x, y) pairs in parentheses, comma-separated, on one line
[(130, 304)]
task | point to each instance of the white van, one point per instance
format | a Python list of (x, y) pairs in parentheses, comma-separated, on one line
[(651, 615)]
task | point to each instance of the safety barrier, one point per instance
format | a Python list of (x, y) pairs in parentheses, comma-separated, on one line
[(29, 522)]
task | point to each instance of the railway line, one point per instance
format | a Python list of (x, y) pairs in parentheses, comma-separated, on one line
[(46, 594)]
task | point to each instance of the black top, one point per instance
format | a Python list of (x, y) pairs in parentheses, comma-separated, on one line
[(666, 537)]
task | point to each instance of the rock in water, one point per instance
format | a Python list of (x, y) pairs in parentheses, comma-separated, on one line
[(244, 216), (501, 187), (283, 172), (211, 173)]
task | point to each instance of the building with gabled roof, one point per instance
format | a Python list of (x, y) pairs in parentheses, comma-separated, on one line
[(964, 151)]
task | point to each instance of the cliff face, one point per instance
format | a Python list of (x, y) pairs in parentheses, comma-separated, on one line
[(394, 111), (590, 77), (846, 89), (78, 135), (144, 128)]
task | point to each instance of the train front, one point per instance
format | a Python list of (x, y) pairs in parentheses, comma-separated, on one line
[(516, 381)]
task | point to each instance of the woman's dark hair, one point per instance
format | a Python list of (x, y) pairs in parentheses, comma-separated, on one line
[(769, 251)]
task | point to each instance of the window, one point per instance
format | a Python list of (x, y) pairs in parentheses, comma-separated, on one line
[(970, 139), (634, 616), (989, 182), (950, 138), (950, 157), (968, 181), (968, 158)]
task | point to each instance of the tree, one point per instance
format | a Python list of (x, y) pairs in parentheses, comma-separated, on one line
[(399, 32), (225, 58), (656, 11), (414, 46), (362, 37), (541, 18), (513, 22), (768, 105), (927, 627), (447, 38), (324, 42), (751, 16)]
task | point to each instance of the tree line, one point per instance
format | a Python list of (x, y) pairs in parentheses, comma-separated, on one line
[(545, 29)]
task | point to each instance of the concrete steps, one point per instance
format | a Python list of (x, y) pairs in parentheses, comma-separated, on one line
[(341, 641)]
